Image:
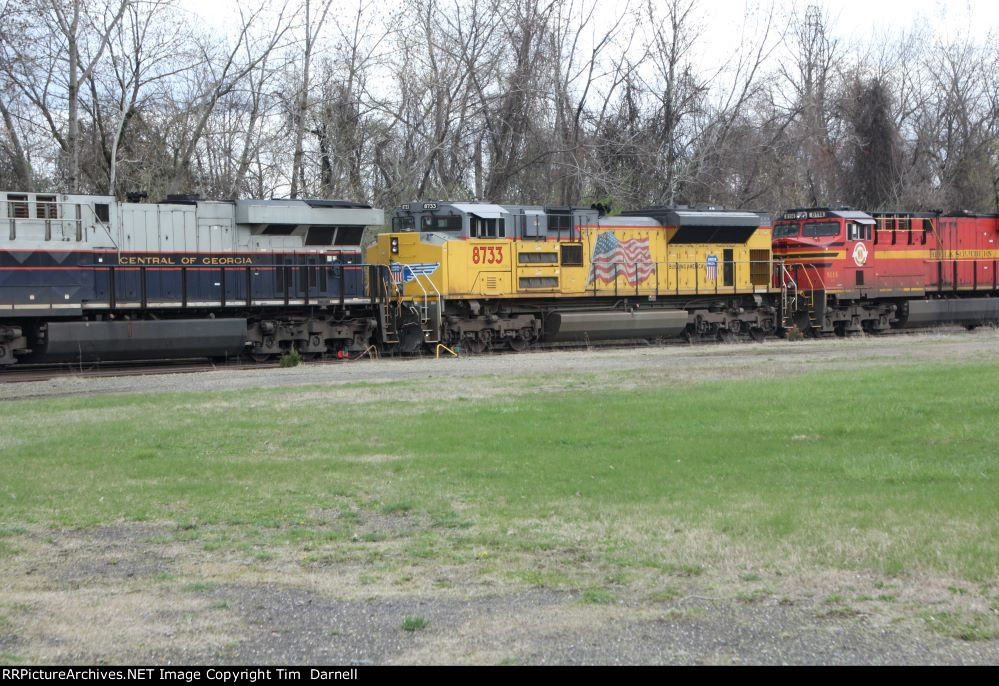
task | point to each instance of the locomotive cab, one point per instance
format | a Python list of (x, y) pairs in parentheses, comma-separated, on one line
[(829, 267), (827, 249)]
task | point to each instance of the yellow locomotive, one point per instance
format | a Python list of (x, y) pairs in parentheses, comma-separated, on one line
[(480, 274)]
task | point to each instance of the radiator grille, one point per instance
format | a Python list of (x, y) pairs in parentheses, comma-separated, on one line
[(539, 282), (538, 257)]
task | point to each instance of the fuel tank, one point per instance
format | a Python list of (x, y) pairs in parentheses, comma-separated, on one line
[(143, 339), (965, 311), (577, 326)]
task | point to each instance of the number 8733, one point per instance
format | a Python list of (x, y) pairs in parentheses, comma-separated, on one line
[(487, 254)]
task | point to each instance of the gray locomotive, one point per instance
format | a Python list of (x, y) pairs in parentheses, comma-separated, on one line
[(85, 277)]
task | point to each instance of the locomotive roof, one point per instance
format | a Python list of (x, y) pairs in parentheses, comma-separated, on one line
[(827, 213), (963, 213), (340, 204), (860, 217), (480, 209), (302, 212), (488, 209), (698, 217)]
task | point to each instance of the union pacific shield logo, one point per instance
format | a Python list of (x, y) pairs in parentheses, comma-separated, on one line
[(404, 273)]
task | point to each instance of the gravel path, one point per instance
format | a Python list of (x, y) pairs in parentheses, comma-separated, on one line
[(538, 627), (744, 359)]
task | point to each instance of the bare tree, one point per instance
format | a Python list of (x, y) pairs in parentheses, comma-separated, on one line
[(540, 101), (677, 91), (341, 116), (12, 36), (75, 23), (146, 50), (222, 71), (816, 54), (964, 125), (313, 25)]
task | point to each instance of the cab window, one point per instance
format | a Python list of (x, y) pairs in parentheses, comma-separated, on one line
[(486, 228), (441, 222), (821, 229), (786, 230), (858, 232), (403, 223), (17, 206)]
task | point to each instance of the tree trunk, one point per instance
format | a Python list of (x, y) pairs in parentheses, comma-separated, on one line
[(20, 163), (73, 93)]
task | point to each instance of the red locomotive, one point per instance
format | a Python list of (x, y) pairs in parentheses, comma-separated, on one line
[(846, 271)]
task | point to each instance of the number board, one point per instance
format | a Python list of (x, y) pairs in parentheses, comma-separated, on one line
[(806, 214), (487, 254)]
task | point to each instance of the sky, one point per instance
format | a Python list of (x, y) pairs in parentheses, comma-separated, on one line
[(723, 24), (947, 17)]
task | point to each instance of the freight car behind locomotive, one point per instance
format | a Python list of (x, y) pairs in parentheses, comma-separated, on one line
[(848, 271), (85, 277), (481, 275)]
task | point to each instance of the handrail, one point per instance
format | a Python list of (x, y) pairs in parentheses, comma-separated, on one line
[(804, 269), (373, 287), (789, 292), (423, 281), (629, 268)]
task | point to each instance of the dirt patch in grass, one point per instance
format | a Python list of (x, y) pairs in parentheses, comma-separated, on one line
[(184, 602), (393, 521), (117, 624), (375, 459)]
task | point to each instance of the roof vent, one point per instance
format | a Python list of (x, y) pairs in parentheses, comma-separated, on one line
[(190, 199)]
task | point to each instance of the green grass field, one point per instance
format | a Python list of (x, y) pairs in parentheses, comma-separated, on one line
[(893, 471)]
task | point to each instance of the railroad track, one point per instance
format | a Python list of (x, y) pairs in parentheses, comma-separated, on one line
[(46, 372)]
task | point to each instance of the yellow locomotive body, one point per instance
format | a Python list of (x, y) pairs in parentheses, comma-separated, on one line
[(523, 273)]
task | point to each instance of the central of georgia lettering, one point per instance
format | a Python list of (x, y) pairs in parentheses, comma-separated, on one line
[(182, 260)]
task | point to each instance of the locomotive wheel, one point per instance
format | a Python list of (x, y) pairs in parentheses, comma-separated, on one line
[(260, 358), (517, 344), (475, 345), (757, 334), (522, 341)]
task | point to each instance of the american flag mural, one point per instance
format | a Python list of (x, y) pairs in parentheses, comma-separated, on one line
[(612, 257)]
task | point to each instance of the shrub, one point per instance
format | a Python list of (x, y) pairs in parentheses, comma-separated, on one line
[(291, 358)]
